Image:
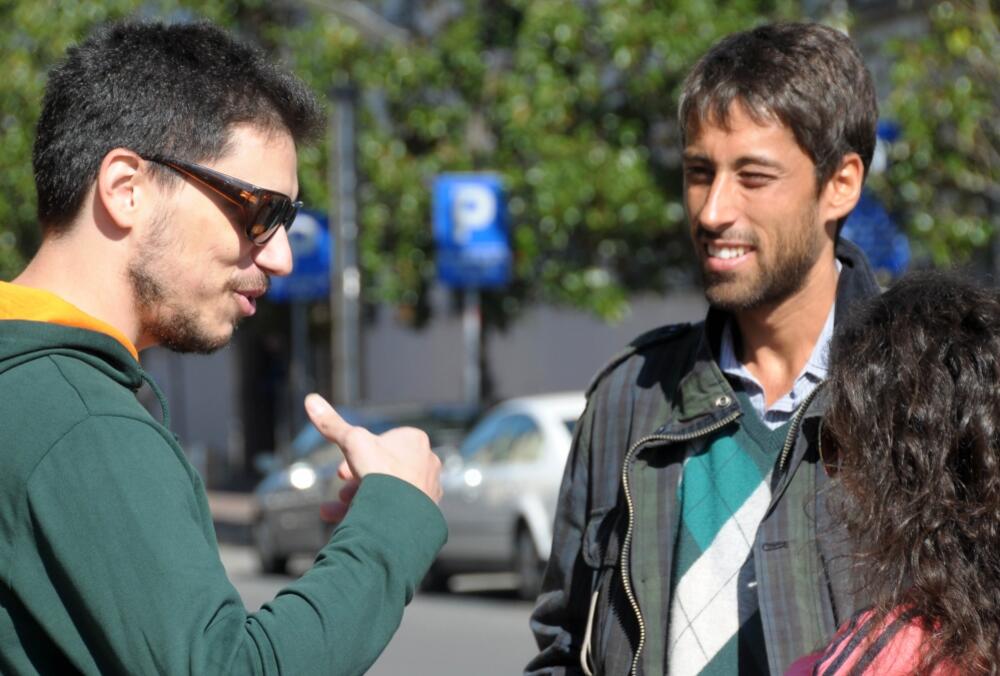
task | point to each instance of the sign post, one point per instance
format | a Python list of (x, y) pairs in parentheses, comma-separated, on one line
[(345, 336), (309, 238), (470, 231)]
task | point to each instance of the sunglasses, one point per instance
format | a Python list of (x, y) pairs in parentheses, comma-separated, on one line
[(263, 211)]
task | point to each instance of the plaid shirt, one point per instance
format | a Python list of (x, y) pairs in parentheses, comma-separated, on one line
[(605, 598)]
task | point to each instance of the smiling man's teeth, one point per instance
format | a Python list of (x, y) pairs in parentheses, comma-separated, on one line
[(726, 251)]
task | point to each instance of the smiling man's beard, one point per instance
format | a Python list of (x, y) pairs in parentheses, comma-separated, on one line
[(795, 254), (163, 314)]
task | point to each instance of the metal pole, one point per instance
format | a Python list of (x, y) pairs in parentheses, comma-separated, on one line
[(345, 287), (472, 329), (299, 361)]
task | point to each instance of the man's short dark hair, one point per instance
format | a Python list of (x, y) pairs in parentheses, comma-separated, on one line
[(808, 76), (158, 89)]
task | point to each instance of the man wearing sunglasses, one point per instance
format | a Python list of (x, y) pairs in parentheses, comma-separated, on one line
[(165, 165)]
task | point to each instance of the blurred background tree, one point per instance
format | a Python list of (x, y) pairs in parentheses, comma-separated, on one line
[(571, 101), (943, 176)]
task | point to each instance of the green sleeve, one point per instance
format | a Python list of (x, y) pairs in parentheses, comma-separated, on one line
[(122, 572)]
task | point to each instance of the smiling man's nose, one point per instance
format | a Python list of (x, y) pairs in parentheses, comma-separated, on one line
[(719, 210), (275, 257)]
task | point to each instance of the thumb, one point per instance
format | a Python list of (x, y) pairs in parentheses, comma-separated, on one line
[(355, 442), (326, 419)]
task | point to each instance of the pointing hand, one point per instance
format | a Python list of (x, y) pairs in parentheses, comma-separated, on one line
[(403, 452)]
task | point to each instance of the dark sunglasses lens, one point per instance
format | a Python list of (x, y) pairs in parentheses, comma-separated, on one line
[(274, 212)]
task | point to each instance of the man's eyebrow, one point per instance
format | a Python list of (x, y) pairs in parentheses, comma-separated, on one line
[(701, 158), (761, 160), (690, 157)]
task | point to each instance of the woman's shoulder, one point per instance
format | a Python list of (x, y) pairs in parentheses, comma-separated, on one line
[(892, 645)]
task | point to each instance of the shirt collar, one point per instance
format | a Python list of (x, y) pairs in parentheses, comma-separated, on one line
[(815, 368)]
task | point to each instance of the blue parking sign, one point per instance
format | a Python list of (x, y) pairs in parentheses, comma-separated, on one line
[(312, 249), (470, 231)]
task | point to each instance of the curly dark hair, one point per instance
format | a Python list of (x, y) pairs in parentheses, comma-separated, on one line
[(914, 420)]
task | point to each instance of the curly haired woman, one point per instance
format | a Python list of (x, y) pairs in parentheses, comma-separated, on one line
[(913, 434)]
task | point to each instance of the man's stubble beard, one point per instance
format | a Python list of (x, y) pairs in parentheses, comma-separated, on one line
[(162, 312), (797, 254)]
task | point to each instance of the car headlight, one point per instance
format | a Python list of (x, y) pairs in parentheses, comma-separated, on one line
[(302, 477), (472, 477)]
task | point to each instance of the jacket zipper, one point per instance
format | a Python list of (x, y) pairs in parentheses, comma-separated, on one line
[(627, 543), (793, 429)]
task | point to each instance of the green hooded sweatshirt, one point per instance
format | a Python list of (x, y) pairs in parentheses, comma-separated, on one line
[(108, 557)]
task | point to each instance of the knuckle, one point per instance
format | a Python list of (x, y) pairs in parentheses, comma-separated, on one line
[(416, 436)]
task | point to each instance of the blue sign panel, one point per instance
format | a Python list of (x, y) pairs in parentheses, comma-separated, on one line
[(871, 228), (470, 230), (312, 250)]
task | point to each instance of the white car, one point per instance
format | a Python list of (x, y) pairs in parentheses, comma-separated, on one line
[(500, 490)]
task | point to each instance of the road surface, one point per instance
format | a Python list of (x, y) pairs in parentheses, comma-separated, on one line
[(482, 631)]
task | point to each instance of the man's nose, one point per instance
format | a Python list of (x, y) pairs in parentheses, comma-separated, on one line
[(275, 257), (720, 209)]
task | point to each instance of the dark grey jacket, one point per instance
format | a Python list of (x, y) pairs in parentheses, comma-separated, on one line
[(606, 594)]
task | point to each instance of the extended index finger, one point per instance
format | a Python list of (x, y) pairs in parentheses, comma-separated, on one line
[(326, 419)]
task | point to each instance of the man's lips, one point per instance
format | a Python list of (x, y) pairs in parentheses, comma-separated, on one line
[(247, 299), (720, 255)]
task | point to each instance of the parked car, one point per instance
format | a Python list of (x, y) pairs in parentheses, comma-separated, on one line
[(304, 476), (500, 490)]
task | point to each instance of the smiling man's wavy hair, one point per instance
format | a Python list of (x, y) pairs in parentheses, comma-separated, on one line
[(808, 76), (914, 420)]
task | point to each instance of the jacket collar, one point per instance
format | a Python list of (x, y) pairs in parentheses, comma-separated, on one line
[(704, 396)]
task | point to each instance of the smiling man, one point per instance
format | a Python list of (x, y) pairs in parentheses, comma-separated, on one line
[(165, 166), (692, 535)]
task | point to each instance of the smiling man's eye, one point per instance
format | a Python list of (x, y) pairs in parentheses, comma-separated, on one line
[(697, 174), (754, 179)]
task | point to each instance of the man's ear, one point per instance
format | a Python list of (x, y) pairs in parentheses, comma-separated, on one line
[(843, 189), (123, 187)]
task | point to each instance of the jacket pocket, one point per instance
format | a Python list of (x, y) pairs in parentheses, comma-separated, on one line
[(601, 547)]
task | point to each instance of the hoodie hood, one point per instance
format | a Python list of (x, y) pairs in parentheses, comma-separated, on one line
[(35, 323), (19, 302)]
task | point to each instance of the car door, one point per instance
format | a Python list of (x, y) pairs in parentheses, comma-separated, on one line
[(460, 482), (481, 491), (506, 475)]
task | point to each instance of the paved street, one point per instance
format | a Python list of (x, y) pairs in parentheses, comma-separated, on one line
[(481, 633)]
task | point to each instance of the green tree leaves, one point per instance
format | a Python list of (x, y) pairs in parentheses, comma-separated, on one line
[(572, 102), (944, 172)]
